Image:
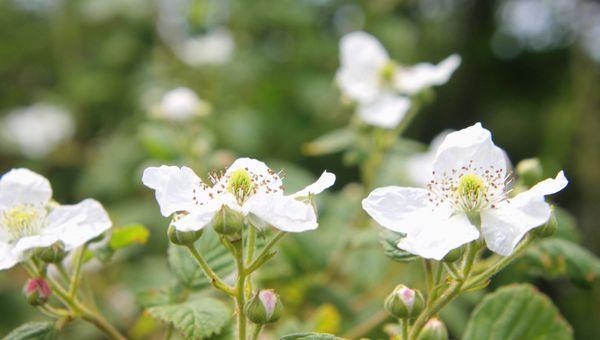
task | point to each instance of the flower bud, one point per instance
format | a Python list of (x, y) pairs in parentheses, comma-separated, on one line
[(404, 303), (454, 255), (530, 171), (183, 238), (264, 307), (37, 291), (547, 229), (434, 329), (228, 221), (53, 253)]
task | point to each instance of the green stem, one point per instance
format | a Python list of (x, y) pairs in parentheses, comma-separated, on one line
[(429, 277), (257, 261), (405, 326), (76, 278), (62, 271), (214, 278), (169, 331), (256, 332), (251, 244), (240, 296)]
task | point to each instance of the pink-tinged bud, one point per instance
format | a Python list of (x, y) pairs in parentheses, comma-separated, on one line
[(434, 330), (404, 303), (264, 307), (37, 291)]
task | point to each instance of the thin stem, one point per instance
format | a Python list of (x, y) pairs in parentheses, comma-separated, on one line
[(62, 271), (256, 332), (240, 296), (251, 244), (169, 331), (405, 326), (214, 278), (257, 261), (76, 278), (429, 277)]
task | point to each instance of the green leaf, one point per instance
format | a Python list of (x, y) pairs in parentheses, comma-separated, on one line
[(517, 312), (33, 330), (389, 240), (129, 235), (331, 142), (310, 336), (195, 319), (162, 296), (554, 257), (186, 269)]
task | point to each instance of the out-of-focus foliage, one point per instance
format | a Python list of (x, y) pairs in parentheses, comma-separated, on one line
[(108, 63)]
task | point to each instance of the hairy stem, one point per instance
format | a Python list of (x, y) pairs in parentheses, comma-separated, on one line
[(240, 296), (256, 332), (76, 278), (214, 278), (257, 261)]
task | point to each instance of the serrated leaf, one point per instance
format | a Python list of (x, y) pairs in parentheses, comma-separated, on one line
[(126, 236), (389, 240), (196, 319), (310, 336), (161, 296), (33, 330), (186, 269), (517, 312), (331, 142), (556, 257)]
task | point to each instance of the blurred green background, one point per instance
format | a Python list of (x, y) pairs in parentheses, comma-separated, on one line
[(530, 74)]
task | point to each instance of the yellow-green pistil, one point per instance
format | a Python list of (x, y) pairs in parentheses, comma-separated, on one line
[(471, 191), (21, 220), (240, 185)]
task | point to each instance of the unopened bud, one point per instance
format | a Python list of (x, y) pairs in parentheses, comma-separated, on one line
[(37, 291), (183, 238), (53, 253), (228, 221), (530, 172), (549, 228), (264, 307), (434, 329), (404, 303), (454, 255)]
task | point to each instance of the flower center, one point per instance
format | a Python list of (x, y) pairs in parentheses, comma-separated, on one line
[(22, 220), (471, 192), (240, 185), (387, 73)]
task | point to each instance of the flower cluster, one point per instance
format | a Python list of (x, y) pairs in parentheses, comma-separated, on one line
[(469, 196), (379, 86)]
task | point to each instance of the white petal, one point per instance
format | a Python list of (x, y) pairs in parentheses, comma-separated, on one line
[(472, 148), (76, 224), (197, 219), (23, 186), (420, 165), (265, 179), (438, 238), (361, 57), (31, 242), (283, 212), (325, 181), (180, 104), (177, 189), (402, 209), (7, 257), (411, 80), (504, 226), (386, 110)]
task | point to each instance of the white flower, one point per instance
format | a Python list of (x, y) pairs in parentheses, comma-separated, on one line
[(37, 129), (469, 178), (248, 186), (420, 165), (378, 85), (181, 104), (28, 220), (213, 48)]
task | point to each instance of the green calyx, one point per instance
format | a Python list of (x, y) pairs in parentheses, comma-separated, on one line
[(264, 307), (54, 253), (183, 238), (434, 330), (228, 221), (404, 303)]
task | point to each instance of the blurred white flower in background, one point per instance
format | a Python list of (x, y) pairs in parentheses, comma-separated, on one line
[(38, 129), (589, 28), (379, 86), (180, 104), (214, 47), (470, 178), (29, 219)]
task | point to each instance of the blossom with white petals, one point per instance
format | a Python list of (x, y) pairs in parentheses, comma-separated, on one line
[(420, 165), (28, 218), (38, 129), (379, 86), (181, 104), (469, 178), (248, 186)]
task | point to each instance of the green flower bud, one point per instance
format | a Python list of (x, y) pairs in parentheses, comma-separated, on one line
[(228, 221), (530, 172), (183, 238), (454, 255), (264, 307), (404, 303), (548, 229), (36, 291), (54, 253), (434, 329)]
